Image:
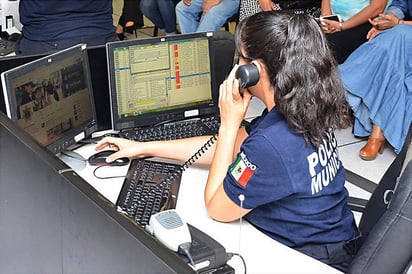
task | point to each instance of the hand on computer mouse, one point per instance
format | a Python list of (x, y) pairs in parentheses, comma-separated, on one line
[(101, 159), (123, 147)]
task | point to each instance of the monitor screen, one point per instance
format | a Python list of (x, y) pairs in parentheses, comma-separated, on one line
[(51, 98), (161, 79)]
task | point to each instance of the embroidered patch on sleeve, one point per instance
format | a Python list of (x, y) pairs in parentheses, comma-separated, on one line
[(242, 170)]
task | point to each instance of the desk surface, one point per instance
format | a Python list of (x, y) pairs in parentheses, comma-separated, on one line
[(261, 253)]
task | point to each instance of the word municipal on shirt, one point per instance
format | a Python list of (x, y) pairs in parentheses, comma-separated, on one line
[(324, 164)]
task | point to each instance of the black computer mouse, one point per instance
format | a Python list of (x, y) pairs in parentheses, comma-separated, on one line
[(99, 159)]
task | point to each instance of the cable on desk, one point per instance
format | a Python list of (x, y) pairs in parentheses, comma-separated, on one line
[(104, 178), (231, 254)]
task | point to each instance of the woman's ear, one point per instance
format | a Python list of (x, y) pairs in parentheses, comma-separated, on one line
[(257, 64)]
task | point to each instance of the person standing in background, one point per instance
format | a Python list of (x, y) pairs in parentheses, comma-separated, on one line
[(55, 25), (204, 15)]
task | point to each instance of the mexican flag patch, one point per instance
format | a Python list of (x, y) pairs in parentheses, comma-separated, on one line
[(242, 170)]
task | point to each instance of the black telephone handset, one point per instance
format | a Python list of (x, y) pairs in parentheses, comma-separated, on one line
[(248, 75)]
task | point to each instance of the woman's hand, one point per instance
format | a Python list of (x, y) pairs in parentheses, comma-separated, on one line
[(330, 26), (384, 21), (267, 5), (372, 33), (232, 104), (208, 4), (124, 147)]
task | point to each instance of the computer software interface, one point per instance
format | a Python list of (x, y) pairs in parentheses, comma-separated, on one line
[(165, 75), (53, 99)]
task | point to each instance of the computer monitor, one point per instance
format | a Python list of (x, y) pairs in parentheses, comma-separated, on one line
[(99, 78), (161, 79), (51, 98), (10, 62)]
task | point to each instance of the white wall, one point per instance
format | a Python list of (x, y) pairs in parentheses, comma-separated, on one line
[(9, 7)]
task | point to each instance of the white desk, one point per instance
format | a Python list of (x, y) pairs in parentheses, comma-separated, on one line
[(261, 253)]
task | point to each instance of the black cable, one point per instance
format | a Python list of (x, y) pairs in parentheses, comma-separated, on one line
[(230, 255), (169, 179), (104, 178), (351, 143), (202, 150), (184, 249)]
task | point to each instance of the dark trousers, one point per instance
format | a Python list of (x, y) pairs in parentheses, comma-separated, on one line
[(131, 13), (343, 43), (338, 255)]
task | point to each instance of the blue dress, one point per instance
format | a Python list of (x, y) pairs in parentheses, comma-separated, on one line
[(378, 80)]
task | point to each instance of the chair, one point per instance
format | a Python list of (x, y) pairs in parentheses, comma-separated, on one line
[(386, 222)]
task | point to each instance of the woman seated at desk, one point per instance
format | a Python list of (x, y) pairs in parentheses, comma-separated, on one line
[(282, 172)]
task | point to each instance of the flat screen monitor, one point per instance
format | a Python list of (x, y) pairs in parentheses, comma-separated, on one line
[(51, 98), (161, 79)]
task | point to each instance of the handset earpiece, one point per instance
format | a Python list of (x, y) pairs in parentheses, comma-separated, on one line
[(248, 75)]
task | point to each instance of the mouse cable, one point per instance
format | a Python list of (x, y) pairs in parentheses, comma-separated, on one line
[(104, 178), (231, 254)]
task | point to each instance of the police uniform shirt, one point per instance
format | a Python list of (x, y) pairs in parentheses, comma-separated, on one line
[(296, 191)]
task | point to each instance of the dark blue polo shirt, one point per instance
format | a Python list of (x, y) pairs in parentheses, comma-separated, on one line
[(52, 20), (296, 191)]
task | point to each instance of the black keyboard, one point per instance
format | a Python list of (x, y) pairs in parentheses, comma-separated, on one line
[(149, 187), (174, 130)]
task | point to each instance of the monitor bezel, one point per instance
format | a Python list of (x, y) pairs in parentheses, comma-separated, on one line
[(179, 113), (70, 138)]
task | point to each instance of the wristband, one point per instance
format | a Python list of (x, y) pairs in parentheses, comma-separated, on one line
[(398, 21), (340, 26)]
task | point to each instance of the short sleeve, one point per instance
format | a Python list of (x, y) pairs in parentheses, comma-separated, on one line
[(258, 173)]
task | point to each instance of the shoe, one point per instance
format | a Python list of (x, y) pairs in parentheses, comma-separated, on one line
[(371, 149)]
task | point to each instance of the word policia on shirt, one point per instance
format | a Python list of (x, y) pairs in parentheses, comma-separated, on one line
[(324, 164)]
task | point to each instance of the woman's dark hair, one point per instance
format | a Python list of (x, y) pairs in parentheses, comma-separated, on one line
[(308, 87)]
